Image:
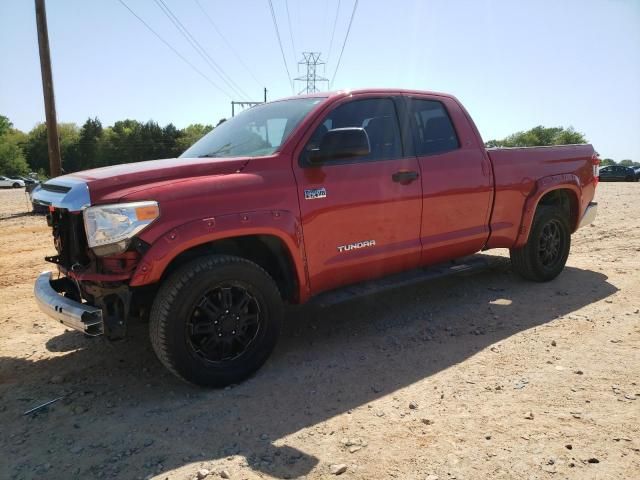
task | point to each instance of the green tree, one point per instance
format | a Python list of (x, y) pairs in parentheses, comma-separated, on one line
[(191, 134), (93, 145), (627, 163), (540, 136), (12, 161), (36, 147), (607, 161), (5, 125), (89, 141), (170, 136)]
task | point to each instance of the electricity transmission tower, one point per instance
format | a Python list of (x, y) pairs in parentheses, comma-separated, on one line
[(311, 60)]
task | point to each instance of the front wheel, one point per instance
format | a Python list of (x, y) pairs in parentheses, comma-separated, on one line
[(545, 254), (16, 185), (215, 321)]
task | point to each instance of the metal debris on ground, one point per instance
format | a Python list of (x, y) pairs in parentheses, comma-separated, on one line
[(44, 405)]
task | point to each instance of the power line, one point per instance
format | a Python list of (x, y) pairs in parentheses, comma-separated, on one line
[(227, 43), (293, 45), (333, 32), (346, 37), (173, 49), (275, 24), (199, 48)]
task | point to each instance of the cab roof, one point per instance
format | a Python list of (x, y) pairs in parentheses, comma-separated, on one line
[(357, 91)]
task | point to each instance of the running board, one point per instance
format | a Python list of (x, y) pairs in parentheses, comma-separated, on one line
[(470, 264)]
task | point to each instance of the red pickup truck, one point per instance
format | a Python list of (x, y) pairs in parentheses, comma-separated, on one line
[(291, 199)]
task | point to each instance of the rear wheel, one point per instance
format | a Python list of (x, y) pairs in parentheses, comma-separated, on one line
[(16, 185), (215, 321), (545, 254)]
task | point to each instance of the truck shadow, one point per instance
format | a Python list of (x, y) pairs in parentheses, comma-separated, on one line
[(135, 419)]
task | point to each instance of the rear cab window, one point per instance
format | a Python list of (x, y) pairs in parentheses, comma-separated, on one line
[(433, 130)]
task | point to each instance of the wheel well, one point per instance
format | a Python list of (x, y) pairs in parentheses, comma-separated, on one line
[(566, 200), (268, 251)]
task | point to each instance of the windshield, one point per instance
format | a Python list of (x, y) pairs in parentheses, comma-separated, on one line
[(255, 132)]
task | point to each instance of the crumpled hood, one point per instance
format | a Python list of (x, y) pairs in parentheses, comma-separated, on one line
[(104, 182)]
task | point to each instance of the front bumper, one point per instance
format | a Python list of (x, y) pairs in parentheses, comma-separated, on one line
[(589, 214), (76, 315)]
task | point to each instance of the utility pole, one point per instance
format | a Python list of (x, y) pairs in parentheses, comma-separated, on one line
[(311, 60), (247, 104), (55, 162)]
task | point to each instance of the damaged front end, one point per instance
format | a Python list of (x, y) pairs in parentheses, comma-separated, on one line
[(89, 292)]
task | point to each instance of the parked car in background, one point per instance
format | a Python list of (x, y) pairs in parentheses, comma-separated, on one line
[(617, 173), (26, 180), (7, 182), (637, 170)]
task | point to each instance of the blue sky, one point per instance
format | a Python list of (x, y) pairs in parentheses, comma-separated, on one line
[(514, 64)]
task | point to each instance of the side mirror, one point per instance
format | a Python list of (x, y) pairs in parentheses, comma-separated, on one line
[(341, 143)]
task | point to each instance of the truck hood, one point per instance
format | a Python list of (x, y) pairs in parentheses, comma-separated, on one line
[(81, 189)]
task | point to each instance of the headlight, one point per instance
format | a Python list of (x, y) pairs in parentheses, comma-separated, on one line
[(110, 228)]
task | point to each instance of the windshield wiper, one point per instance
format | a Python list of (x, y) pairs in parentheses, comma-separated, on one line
[(215, 153)]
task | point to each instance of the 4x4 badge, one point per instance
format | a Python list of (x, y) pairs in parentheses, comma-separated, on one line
[(314, 193)]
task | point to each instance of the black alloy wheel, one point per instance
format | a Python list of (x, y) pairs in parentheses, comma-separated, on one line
[(224, 323), (550, 244)]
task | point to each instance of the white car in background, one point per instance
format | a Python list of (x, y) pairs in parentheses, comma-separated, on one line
[(7, 182)]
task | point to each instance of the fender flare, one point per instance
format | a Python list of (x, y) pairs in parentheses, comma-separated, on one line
[(544, 185), (279, 223)]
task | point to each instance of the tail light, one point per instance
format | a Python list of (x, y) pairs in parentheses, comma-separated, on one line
[(595, 161)]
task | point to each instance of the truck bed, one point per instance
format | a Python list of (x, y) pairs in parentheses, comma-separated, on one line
[(516, 175)]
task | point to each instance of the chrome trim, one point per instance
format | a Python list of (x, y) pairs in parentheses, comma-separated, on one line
[(74, 200), (76, 315), (589, 214)]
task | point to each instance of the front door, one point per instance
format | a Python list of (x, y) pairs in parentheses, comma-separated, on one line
[(360, 217)]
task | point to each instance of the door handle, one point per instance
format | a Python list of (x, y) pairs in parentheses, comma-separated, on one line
[(404, 176)]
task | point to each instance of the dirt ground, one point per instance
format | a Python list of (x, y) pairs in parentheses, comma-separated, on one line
[(484, 376)]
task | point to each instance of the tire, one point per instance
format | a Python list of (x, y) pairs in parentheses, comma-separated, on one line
[(216, 320), (16, 185), (538, 260), (629, 179)]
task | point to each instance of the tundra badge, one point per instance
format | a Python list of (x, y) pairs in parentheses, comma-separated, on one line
[(314, 193), (352, 246)]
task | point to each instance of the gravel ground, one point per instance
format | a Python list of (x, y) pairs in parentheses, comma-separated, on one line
[(484, 376)]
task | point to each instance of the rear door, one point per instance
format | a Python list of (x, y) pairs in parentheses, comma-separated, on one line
[(360, 219), (457, 182)]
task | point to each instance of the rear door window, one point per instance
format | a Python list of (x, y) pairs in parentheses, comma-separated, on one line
[(433, 130)]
